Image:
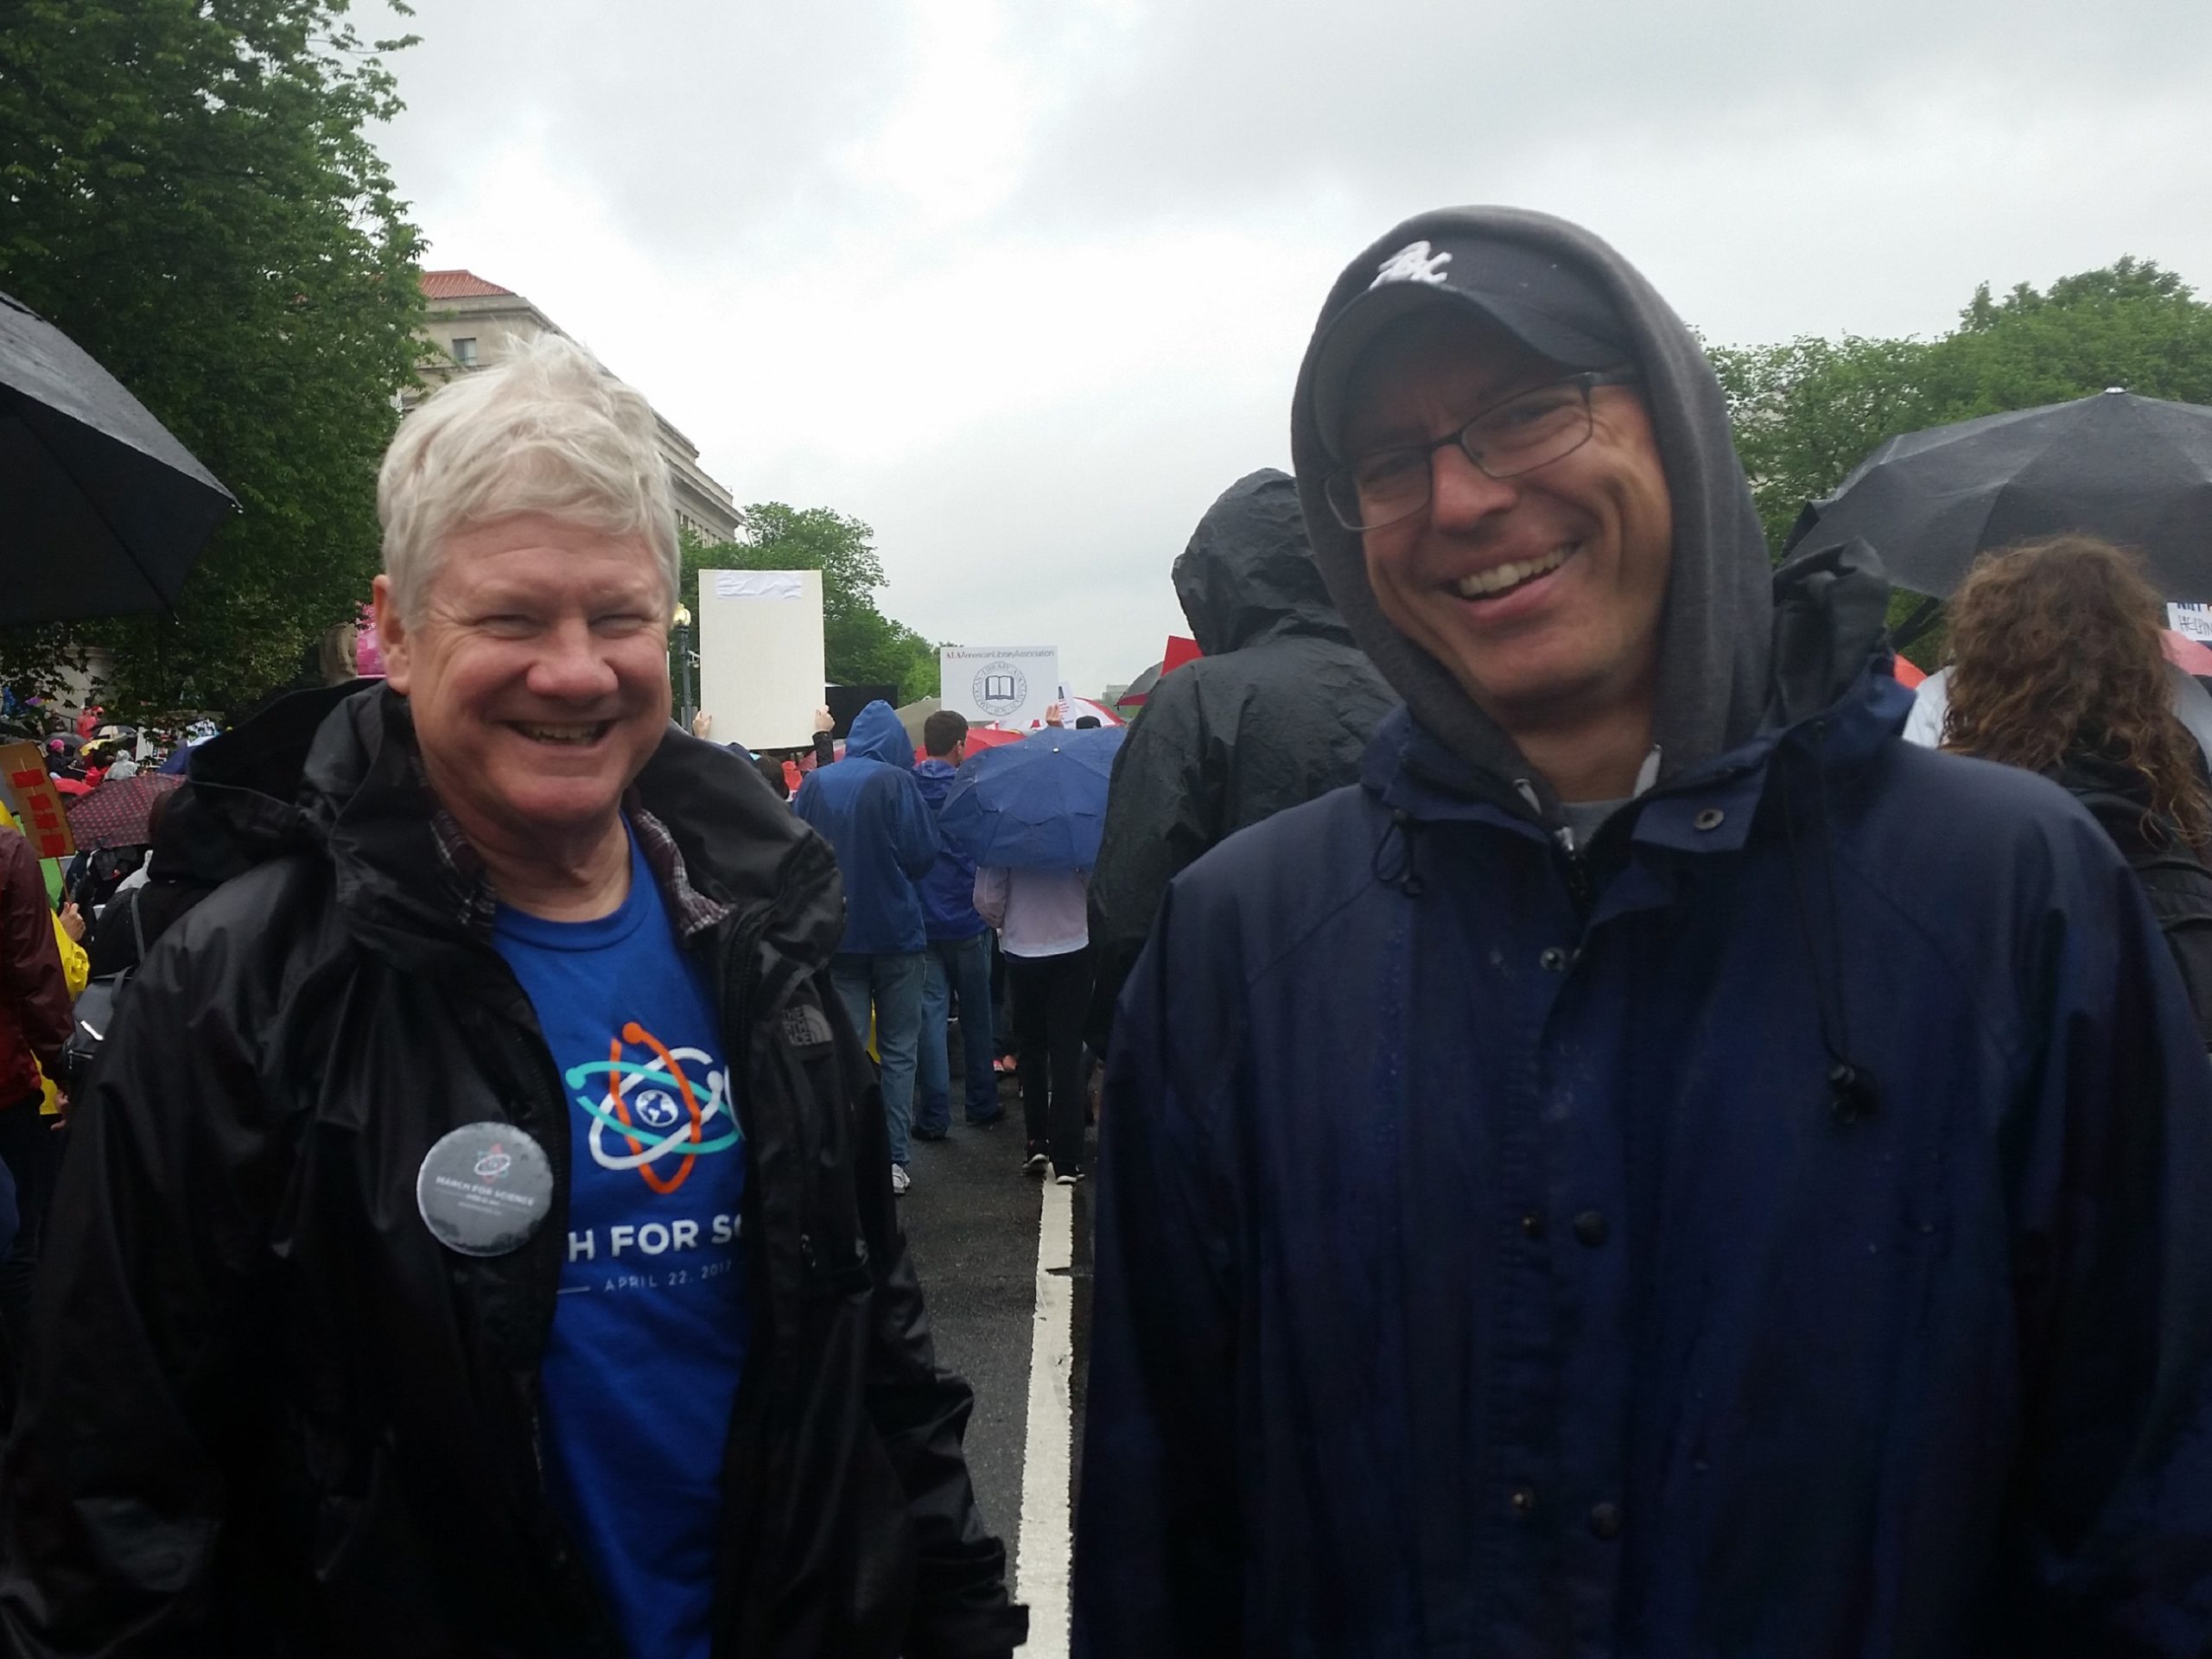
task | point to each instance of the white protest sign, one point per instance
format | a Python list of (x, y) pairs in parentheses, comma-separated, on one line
[(1003, 685), (2191, 621), (760, 656)]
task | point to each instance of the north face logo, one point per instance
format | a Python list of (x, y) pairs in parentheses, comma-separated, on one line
[(805, 1026), (1412, 264)]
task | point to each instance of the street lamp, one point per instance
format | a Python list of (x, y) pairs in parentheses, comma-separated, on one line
[(682, 620)]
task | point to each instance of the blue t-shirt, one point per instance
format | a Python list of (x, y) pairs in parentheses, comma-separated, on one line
[(649, 1335)]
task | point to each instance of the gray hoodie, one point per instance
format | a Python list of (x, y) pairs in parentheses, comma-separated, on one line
[(1714, 651)]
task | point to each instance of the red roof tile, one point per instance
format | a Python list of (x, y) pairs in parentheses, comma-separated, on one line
[(459, 285)]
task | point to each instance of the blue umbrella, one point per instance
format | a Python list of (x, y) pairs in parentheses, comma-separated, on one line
[(180, 757), (1037, 804)]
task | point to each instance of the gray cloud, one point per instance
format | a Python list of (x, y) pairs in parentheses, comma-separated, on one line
[(1435, 103), (1025, 286)]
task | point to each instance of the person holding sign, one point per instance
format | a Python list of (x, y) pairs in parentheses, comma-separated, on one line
[(477, 1236)]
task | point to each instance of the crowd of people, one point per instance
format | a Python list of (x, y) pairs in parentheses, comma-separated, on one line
[(1606, 1146)]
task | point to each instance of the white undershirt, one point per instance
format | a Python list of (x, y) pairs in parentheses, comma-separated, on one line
[(1037, 912)]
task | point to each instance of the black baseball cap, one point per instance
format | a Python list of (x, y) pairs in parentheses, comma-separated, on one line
[(1553, 308)]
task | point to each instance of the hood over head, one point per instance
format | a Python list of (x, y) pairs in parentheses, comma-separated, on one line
[(934, 778), (1249, 571), (877, 735), (1566, 293)]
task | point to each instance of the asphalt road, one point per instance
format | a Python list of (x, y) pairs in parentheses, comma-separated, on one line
[(971, 1221)]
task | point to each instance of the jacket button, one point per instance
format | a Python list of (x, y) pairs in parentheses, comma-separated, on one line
[(1533, 1225), (1712, 818), (1605, 1520), (1522, 1500), (1553, 960), (1590, 1228)]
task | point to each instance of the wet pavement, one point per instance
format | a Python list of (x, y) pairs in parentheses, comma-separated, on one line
[(972, 1222)]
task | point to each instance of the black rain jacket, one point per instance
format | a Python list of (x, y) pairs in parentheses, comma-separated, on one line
[(2174, 875), (271, 1415), (1277, 712)]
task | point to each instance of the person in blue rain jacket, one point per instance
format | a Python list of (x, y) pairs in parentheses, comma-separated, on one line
[(1661, 1167), (867, 807), (959, 962)]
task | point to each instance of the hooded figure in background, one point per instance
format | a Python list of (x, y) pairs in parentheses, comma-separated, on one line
[(869, 808), (1279, 710), (1664, 1166)]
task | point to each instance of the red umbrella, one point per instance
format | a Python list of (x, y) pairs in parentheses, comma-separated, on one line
[(114, 815), (979, 737)]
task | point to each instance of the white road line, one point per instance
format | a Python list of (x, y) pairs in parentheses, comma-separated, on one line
[(1047, 1532)]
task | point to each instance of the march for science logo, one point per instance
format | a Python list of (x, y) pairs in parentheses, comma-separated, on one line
[(659, 1113)]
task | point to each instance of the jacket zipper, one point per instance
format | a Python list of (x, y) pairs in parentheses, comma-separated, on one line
[(1579, 885), (567, 1569), (735, 1002)]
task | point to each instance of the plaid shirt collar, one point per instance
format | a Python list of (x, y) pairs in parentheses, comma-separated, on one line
[(693, 913)]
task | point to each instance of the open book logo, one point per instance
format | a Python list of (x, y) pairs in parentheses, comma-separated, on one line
[(1000, 688)]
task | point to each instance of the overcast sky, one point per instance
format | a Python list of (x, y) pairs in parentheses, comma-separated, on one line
[(1025, 287)]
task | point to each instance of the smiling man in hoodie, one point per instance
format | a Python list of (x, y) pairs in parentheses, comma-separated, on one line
[(1662, 1167)]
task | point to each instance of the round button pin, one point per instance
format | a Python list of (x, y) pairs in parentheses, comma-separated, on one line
[(484, 1189)]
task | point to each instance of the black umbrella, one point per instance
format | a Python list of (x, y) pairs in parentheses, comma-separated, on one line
[(106, 510), (2132, 470)]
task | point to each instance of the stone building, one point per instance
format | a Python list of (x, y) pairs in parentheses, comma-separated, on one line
[(473, 324)]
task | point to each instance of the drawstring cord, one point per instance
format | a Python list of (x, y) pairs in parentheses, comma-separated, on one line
[(1854, 1093), (1402, 825)]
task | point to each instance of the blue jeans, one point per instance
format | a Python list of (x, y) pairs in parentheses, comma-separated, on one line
[(892, 980), (962, 969)]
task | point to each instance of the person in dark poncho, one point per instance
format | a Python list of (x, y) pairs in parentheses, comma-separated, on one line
[(138, 915), (1278, 711), (475, 1236), (2056, 667)]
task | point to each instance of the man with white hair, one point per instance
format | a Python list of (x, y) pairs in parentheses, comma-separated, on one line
[(478, 1237)]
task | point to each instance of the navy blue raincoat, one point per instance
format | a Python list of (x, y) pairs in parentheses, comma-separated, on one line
[(1490, 1264)]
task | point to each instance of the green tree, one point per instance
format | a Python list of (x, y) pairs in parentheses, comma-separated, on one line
[(861, 646), (2128, 324), (187, 188), (1806, 412)]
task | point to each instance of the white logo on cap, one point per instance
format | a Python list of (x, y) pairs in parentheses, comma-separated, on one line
[(1412, 264)]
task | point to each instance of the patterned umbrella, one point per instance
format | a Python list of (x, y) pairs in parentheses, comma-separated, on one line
[(114, 815)]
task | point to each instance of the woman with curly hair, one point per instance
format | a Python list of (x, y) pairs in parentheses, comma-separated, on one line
[(2056, 667)]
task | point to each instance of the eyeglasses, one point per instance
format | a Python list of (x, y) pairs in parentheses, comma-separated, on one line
[(1530, 429)]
